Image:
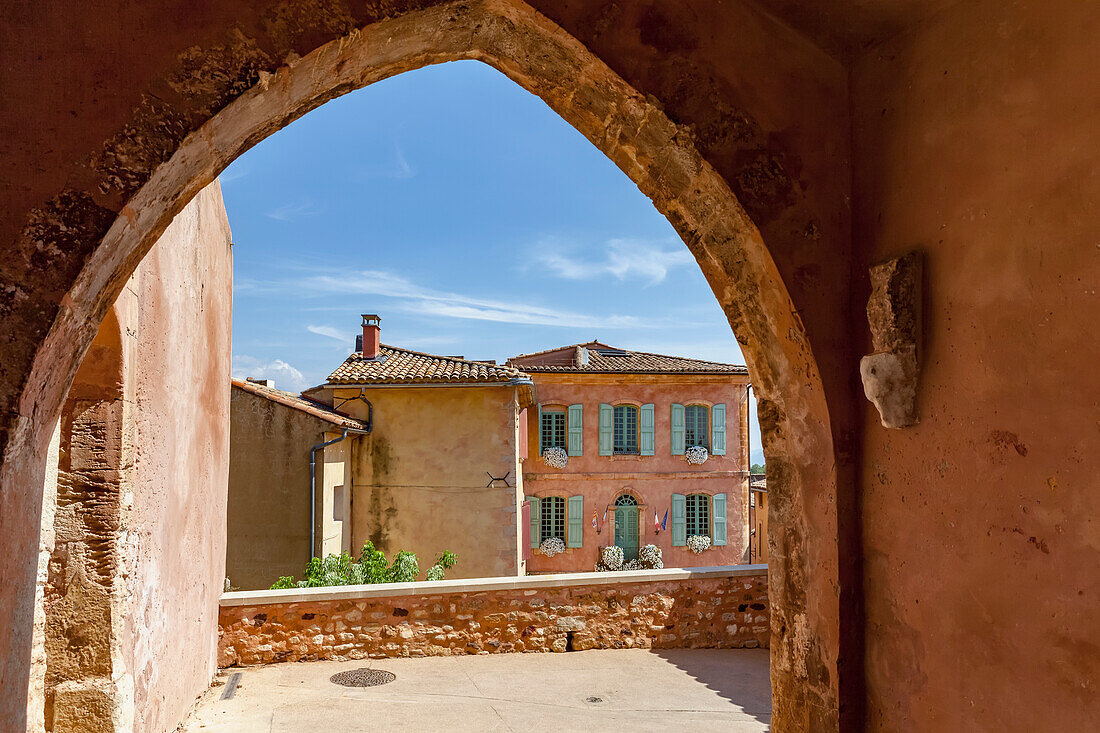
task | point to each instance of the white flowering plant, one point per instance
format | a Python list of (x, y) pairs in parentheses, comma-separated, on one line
[(555, 457), (552, 546), (651, 558), (698, 543), (697, 455), (612, 557)]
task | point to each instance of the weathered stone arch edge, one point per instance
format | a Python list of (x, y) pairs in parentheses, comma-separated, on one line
[(658, 156)]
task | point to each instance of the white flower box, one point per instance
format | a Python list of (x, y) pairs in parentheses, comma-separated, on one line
[(552, 546), (555, 457), (697, 455), (698, 543)]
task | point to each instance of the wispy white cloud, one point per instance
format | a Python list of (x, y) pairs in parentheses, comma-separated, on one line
[(292, 212), (622, 259), (336, 334), (397, 168), (286, 376), (235, 172), (426, 301)]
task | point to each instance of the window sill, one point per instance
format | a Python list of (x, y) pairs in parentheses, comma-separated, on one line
[(627, 457), (568, 551)]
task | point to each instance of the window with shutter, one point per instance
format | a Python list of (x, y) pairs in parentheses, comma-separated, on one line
[(552, 429), (679, 520), (576, 430), (625, 433), (576, 522), (718, 430), (536, 531), (646, 437), (677, 421), (697, 514), (607, 414), (718, 503), (696, 425), (552, 519)]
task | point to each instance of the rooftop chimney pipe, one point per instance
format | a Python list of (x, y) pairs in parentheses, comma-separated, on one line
[(372, 335)]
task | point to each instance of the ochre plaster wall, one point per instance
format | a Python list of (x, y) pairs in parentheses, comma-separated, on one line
[(977, 142), (173, 549), (420, 476), (268, 515), (650, 479)]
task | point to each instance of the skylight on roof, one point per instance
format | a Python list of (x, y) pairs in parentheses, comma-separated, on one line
[(612, 352)]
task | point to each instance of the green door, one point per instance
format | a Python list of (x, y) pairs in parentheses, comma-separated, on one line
[(626, 526)]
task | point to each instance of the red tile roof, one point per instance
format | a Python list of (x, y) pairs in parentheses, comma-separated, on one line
[(598, 358), (401, 366), (303, 404)]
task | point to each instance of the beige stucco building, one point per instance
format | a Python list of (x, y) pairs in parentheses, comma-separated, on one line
[(277, 445), (431, 462)]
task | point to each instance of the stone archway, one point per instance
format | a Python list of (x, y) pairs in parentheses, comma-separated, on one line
[(653, 151)]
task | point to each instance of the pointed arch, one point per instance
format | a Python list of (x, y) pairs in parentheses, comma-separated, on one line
[(658, 155)]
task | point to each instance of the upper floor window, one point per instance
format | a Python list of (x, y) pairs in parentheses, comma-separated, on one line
[(552, 430), (696, 423), (625, 431), (562, 427), (552, 518), (697, 514)]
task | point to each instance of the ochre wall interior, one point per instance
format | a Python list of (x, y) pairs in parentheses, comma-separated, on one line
[(141, 474), (792, 152), (420, 478), (268, 502)]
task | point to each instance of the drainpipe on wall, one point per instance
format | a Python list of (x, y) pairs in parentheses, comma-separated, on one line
[(313, 474)]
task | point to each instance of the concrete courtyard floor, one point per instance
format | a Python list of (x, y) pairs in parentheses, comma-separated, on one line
[(607, 690)]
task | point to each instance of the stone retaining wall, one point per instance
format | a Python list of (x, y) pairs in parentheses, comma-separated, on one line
[(662, 609)]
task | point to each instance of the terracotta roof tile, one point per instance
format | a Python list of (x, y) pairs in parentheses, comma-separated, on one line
[(303, 404), (401, 366), (602, 359)]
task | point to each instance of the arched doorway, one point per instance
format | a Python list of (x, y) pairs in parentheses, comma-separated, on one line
[(626, 526), (649, 147)]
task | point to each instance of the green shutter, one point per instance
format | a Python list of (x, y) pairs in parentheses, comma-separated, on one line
[(607, 417), (575, 518), (678, 430), (576, 430), (535, 527), (718, 509), (679, 521), (718, 430), (539, 451), (646, 432)]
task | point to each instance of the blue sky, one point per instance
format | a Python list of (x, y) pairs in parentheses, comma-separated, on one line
[(467, 214)]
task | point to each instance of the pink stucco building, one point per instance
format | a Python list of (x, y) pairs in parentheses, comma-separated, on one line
[(627, 421)]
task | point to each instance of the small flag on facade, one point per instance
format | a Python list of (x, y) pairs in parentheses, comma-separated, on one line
[(604, 520), (595, 524), (656, 522), (664, 522)]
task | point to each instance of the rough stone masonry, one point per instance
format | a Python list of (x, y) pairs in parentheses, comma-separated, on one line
[(668, 614)]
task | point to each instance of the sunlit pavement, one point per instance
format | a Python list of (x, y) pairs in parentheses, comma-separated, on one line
[(609, 690)]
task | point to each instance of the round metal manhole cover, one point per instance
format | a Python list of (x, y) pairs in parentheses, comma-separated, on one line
[(362, 677)]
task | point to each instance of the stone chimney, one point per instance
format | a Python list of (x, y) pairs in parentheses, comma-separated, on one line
[(372, 335)]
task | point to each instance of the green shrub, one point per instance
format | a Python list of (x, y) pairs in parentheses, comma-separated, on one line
[(371, 567), (404, 568)]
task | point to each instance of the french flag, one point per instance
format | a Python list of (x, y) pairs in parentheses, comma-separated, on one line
[(656, 522)]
